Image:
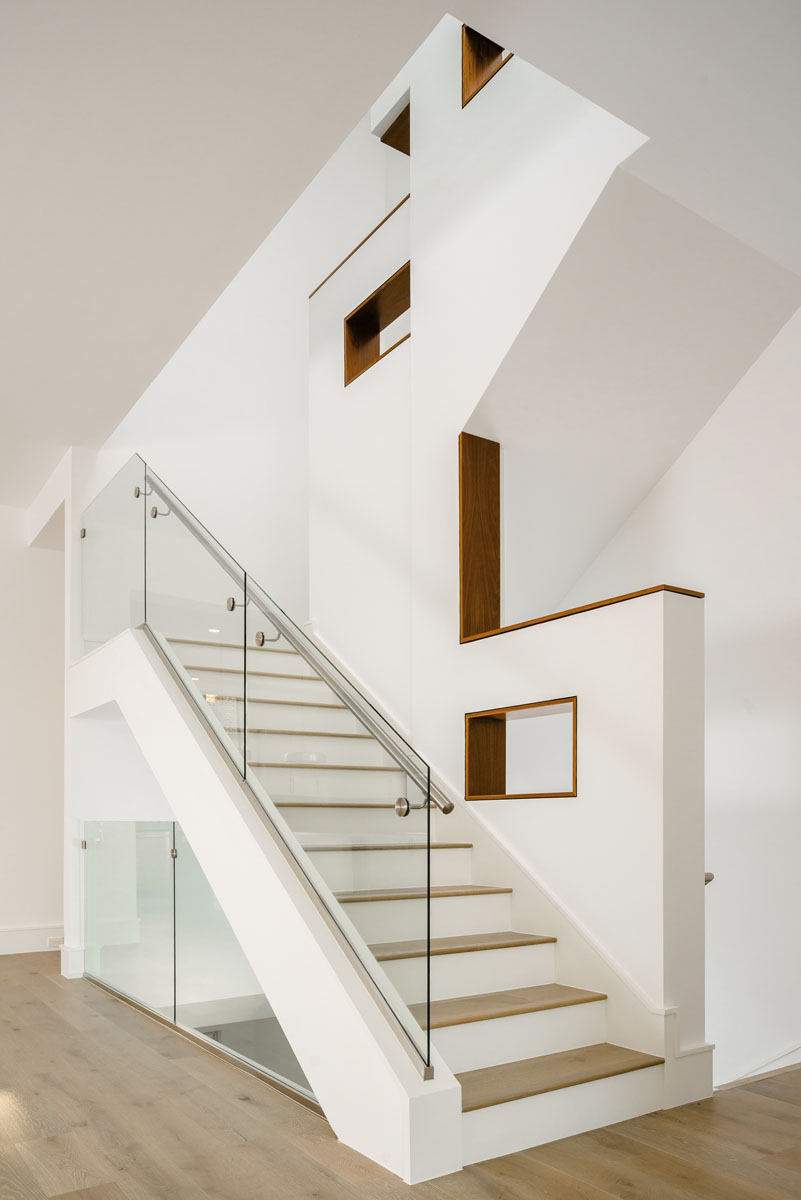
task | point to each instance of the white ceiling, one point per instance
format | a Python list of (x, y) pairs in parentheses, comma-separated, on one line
[(147, 149)]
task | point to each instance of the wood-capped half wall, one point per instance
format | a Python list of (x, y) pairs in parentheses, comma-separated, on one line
[(479, 534)]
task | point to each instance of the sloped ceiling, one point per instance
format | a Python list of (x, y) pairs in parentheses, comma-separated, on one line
[(147, 149), (651, 319)]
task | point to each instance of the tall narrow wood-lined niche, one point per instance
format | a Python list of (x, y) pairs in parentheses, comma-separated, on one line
[(366, 324), (481, 60), (479, 534)]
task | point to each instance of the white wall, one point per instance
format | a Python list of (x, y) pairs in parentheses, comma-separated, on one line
[(225, 422), (31, 738), (725, 518)]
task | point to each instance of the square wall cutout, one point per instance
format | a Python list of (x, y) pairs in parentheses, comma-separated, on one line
[(525, 751), (364, 327)]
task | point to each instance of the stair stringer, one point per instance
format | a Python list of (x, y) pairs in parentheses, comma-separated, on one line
[(371, 1091)]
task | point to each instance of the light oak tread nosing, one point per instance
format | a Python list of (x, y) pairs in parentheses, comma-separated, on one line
[(307, 766), (489, 1006), (460, 943), (444, 892), (300, 733), (506, 1082), (207, 670), (390, 846), (284, 703), (387, 805)]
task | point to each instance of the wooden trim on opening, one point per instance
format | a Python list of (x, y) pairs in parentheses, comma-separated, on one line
[(361, 243), (571, 612), (479, 535), (218, 1051), (482, 59), (398, 135), (364, 324), (497, 745)]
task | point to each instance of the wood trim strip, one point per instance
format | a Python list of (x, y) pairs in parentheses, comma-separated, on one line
[(571, 612), (218, 1051), (361, 243), (405, 338), (479, 534)]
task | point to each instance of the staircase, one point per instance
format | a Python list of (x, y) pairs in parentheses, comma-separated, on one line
[(529, 1052)]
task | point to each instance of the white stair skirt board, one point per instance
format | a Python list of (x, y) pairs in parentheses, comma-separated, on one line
[(526, 1035), (394, 920), (455, 975), (506, 1128)]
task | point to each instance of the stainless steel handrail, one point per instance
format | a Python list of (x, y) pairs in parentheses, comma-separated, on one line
[(347, 692)]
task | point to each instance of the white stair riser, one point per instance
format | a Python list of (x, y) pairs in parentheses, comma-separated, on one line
[(257, 660), (350, 822), (324, 783), (469, 974), (527, 1035), (507, 1128), (351, 751), (397, 920), (265, 687), (354, 869), (298, 716)]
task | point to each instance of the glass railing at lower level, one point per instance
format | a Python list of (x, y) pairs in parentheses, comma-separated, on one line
[(347, 794)]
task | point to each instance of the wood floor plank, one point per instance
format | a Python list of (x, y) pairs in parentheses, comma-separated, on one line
[(127, 1110)]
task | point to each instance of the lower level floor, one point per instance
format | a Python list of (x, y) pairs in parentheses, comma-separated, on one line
[(99, 1102)]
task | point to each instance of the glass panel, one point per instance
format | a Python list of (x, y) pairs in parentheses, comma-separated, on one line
[(195, 603), (112, 557), (128, 883), (217, 993)]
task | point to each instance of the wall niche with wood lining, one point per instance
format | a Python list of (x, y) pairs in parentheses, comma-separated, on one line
[(482, 59), (522, 752), (378, 325)]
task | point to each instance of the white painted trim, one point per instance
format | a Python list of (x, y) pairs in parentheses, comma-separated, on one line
[(72, 962), (28, 939)]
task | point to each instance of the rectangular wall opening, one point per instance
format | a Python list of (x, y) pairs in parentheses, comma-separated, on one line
[(481, 60), (365, 325), (525, 751), (398, 135), (479, 534)]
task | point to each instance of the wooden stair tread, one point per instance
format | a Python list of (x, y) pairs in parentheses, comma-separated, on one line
[(256, 674), (285, 703), (176, 641), (419, 893), (307, 766), (387, 805), (549, 1073), (389, 846), (462, 943), (300, 732), (463, 1010)]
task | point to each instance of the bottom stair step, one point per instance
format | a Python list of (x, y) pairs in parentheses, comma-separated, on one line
[(549, 1073)]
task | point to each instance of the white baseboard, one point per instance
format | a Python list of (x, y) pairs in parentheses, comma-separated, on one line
[(29, 939), (72, 962)]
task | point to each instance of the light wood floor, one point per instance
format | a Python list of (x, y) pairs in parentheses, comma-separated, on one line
[(97, 1102)]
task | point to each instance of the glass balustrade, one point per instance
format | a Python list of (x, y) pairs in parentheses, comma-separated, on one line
[(347, 794)]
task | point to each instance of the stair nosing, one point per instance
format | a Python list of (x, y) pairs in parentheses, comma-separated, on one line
[(285, 703), (443, 892), (390, 846), (512, 940), (640, 1063), (307, 766), (254, 674), (570, 997), (233, 646)]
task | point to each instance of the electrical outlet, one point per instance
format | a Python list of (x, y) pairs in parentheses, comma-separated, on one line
[(55, 943)]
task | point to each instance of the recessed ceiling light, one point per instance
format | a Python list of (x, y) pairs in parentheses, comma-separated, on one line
[(214, 631)]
